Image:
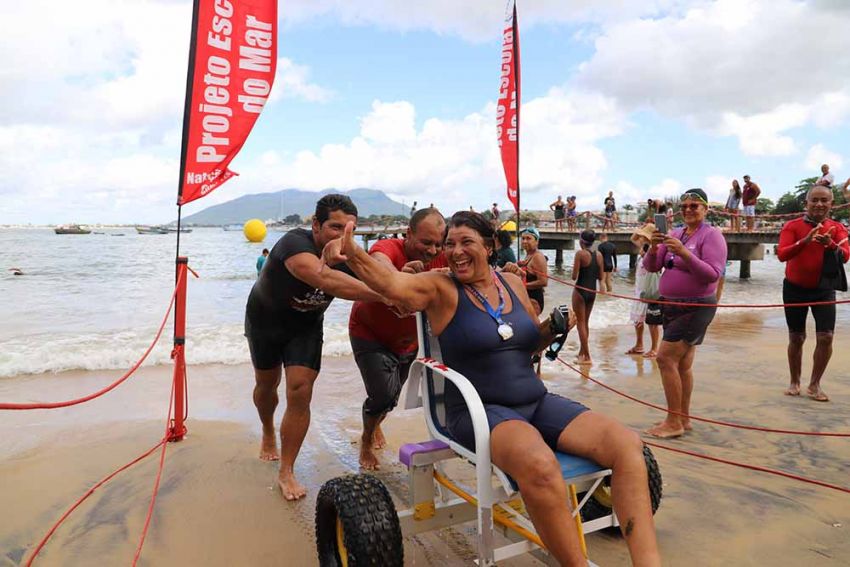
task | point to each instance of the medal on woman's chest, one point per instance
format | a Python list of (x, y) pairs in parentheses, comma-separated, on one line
[(503, 327)]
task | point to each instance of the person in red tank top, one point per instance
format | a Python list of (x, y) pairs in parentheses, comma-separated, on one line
[(384, 342), (813, 247)]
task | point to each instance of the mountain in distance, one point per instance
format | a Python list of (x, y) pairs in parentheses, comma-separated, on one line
[(279, 204)]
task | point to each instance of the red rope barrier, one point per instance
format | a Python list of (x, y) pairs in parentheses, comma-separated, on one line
[(752, 467), (686, 304), (54, 405), (698, 418), (88, 493)]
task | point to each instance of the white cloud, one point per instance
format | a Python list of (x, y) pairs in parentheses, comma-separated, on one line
[(292, 81), (756, 68), (819, 155), (456, 162)]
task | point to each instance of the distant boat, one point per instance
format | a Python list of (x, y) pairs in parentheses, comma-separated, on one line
[(151, 230), (183, 229), (232, 227), (71, 229)]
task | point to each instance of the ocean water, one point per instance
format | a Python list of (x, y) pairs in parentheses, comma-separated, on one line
[(95, 301)]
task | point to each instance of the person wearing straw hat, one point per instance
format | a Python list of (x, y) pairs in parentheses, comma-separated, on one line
[(646, 287), (693, 258)]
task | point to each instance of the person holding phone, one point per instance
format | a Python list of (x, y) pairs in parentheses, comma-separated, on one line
[(693, 258)]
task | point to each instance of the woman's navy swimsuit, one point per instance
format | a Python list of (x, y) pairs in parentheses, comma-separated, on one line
[(501, 372)]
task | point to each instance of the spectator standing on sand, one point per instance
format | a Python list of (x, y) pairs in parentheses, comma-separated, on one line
[(814, 248), (646, 287), (693, 258), (732, 204), (609, 262), (750, 196)]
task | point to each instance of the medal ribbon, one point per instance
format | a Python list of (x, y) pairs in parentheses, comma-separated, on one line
[(496, 314)]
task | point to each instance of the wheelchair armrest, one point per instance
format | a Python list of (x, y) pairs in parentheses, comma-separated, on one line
[(480, 425)]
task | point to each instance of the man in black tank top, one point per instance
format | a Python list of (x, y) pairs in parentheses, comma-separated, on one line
[(283, 324)]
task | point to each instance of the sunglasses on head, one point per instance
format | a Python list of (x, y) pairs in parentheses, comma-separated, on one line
[(693, 195)]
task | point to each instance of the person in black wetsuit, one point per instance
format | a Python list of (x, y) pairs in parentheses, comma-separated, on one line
[(587, 270), (284, 323), (609, 262), (488, 331)]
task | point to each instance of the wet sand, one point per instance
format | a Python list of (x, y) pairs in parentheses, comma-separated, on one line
[(217, 505)]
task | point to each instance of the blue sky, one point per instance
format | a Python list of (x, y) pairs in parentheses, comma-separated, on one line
[(644, 98)]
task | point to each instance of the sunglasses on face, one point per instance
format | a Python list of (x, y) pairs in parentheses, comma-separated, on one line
[(689, 206)]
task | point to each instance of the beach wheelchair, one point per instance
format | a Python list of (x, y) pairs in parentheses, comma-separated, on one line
[(357, 522)]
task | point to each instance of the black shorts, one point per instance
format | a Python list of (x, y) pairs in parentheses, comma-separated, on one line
[(384, 373), (795, 317), (654, 314), (537, 295), (297, 344), (687, 323), (549, 415)]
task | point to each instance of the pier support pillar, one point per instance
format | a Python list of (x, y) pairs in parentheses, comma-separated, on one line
[(559, 258), (745, 270)]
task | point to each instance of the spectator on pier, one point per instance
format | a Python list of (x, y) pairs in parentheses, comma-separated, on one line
[(750, 196), (571, 212), (814, 248), (826, 179), (609, 262), (494, 210), (558, 208), (587, 270), (610, 212), (732, 204), (693, 258)]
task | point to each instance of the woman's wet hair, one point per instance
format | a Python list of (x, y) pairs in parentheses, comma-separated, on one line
[(475, 221), (504, 238), (587, 237)]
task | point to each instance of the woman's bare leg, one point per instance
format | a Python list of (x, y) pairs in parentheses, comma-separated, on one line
[(669, 356)]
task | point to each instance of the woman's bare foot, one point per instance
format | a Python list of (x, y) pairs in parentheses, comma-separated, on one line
[(268, 448), (584, 359), (686, 425), (635, 350), (368, 459), (664, 430), (650, 354), (793, 390), (290, 487)]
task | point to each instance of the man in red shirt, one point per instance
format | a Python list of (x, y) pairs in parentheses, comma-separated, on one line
[(749, 199), (383, 342), (814, 248)]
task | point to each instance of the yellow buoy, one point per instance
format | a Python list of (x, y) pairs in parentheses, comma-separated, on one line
[(510, 226), (254, 230)]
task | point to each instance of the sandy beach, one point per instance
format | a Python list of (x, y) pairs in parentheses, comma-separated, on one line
[(217, 505)]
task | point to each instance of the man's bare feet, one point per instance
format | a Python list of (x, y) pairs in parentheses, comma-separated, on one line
[(664, 430), (268, 448), (793, 390), (290, 487), (379, 441), (817, 394), (368, 459), (650, 354)]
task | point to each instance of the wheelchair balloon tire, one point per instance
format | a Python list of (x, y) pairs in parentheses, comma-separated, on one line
[(357, 524), (600, 505)]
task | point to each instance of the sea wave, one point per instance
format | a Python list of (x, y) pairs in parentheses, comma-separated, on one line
[(222, 344)]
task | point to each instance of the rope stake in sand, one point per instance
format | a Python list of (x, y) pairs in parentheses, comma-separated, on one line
[(54, 405), (684, 304), (698, 418)]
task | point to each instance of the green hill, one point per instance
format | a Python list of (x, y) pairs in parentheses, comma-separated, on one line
[(279, 204)]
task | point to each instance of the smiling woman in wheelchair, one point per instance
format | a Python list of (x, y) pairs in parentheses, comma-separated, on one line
[(488, 331)]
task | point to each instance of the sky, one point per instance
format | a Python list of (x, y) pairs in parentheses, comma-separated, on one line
[(643, 98)]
